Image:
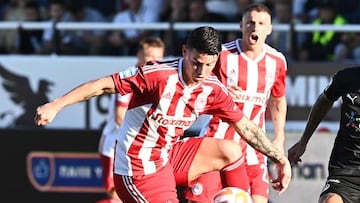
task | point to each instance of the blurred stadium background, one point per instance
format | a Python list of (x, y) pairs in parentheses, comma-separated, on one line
[(58, 163)]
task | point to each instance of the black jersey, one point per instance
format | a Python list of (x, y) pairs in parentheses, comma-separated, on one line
[(345, 155)]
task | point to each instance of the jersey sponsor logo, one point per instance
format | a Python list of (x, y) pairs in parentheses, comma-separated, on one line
[(354, 121), (128, 72), (172, 121), (256, 98)]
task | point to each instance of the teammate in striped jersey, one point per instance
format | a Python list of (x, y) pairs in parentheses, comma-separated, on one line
[(167, 97), (255, 75), (149, 48)]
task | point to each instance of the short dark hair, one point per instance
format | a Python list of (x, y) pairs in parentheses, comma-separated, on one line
[(259, 7), (205, 40)]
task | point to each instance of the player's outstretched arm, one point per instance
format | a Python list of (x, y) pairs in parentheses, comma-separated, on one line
[(257, 138), (46, 113), (316, 115)]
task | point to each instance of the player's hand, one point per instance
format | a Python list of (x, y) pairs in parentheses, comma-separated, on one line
[(283, 179), (295, 152), (45, 114)]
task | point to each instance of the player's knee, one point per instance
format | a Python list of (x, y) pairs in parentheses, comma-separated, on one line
[(231, 151), (330, 197)]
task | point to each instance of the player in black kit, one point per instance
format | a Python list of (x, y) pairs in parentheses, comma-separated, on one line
[(343, 182)]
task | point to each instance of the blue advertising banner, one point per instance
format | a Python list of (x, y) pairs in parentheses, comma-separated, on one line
[(65, 172)]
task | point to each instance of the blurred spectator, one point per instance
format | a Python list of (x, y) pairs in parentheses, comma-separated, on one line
[(349, 48), (309, 11), (155, 6), (320, 45), (241, 5), (125, 42), (350, 9), (268, 3), (51, 39), (198, 12), (29, 40), (175, 11), (298, 9), (83, 41), (107, 8), (225, 8), (283, 40), (12, 11)]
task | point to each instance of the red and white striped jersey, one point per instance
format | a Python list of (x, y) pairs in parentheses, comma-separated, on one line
[(161, 108), (258, 79)]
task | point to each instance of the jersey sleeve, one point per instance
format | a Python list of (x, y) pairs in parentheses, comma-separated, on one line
[(279, 88), (338, 85), (123, 100), (129, 81)]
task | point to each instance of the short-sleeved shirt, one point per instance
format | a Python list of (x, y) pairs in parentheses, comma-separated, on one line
[(258, 78), (161, 108), (345, 155)]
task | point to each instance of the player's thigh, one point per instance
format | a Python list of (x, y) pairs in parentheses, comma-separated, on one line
[(195, 156), (158, 187), (214, 154), (341, 189), (181, 158), (330, 198)]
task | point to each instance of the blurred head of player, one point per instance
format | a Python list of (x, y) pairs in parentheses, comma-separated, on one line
[(200, 54), (150, 48), (255, 26)]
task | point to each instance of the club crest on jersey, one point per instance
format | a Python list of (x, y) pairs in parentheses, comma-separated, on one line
[(128, 72), (201, 102)]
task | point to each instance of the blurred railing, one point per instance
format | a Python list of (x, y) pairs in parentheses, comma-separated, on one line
[(169, 25)]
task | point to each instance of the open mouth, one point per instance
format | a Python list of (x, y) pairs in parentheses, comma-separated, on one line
[(254, 37)]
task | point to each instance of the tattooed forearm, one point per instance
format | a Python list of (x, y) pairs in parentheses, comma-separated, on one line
[(257, 138)]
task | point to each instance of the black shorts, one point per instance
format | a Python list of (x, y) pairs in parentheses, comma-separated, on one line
[(348, 187)]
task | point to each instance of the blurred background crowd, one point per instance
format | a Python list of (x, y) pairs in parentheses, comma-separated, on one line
[(299, 46)]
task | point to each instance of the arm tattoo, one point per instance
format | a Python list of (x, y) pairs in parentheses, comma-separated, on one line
[(258, 139)]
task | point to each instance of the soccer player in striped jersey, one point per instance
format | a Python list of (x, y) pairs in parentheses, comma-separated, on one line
[(167, 97), (149, 48), (255, 75)]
